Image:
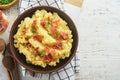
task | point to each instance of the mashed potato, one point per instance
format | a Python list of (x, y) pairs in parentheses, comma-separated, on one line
[(44, 39)]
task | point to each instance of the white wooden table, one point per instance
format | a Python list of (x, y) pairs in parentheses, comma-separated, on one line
[(100, 40), (99, 32)]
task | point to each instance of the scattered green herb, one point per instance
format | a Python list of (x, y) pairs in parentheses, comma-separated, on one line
[(33, 30), (48, 17), (48, 24), (49, 32), (3, 2), (28, 37), (57, 32), (41, 53)]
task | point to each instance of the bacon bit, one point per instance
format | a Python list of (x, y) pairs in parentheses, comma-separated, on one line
[(35, 51), (52, 51), (62, 35), (53, 30), (28, 46), (54, 59), (47, 58), (38, 38), (24, 30), (49, 50), (35, 24), (57, 21), (57, 45), (49, 54), (1, 14), (43, 23), (54, 27)]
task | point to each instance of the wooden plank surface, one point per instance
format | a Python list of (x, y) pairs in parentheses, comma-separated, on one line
[(99, 40), (75, 2)]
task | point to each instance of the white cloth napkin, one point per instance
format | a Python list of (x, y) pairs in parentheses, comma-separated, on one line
[(68, 72)]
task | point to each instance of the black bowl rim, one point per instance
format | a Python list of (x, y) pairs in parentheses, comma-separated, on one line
[(25, 66)]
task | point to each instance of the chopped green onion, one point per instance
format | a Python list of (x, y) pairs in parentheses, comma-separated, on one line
[(28, 37), (48, 24), (49, 32), (33, 30), (41, 53), (57, 32), (48, 17)]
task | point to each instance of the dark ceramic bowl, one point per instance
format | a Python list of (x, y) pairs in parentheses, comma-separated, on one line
[(21, 58)]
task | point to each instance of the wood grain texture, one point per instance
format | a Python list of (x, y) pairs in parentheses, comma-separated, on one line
[(2, 53), (75, 2), (16, 71), (99, 39)]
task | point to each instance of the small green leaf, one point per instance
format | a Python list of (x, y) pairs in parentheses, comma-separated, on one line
[(28, 37), (48, 24), (33, 30), (49, 32), (41, 53), (57, 32)]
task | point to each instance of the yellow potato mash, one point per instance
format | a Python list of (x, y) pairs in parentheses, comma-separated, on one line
[(44, 39)]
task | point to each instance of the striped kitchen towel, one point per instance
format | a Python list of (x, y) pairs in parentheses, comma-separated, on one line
[(68, 72)]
